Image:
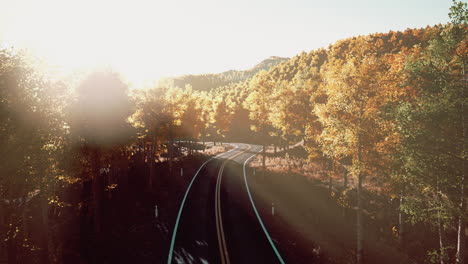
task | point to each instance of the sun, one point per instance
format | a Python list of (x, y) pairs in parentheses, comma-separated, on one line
[(89, 34), (141, 39)]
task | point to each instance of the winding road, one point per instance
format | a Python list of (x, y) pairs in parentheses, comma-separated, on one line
[(218, 219)]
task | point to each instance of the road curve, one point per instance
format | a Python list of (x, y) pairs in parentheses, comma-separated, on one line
[(218, 221)]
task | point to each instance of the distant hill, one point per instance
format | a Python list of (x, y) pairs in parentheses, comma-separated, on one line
[(206, 82)]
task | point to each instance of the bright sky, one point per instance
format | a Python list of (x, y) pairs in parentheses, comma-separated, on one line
[(148, 39)]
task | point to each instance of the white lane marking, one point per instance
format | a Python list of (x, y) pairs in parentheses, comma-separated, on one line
[(219, 221), (258, 215), (176, 226)]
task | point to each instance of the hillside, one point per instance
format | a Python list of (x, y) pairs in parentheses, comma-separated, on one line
[(206, 82)]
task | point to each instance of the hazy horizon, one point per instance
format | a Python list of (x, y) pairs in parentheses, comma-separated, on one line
[(147, 40)]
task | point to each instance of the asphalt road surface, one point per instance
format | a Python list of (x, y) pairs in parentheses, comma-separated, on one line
[(218, 221)]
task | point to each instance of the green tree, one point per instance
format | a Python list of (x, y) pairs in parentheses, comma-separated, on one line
[(433, 129)]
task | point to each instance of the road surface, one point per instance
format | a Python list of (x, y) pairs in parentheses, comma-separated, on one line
[(218, 221)]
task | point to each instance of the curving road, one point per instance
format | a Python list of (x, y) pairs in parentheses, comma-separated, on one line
[(218, 220)]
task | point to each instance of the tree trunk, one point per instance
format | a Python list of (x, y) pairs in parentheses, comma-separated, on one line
[(440, 227), (441, 240), (274, 148), (359, 254), (2, 215), (461, 241), (48, 242), (11, 243), (96, 187), (401, 221), (263, 158), (171, 149), (151, 161), (111, 175), (24, 221), (330, 179), (359, 250), (345, 186), (3, 221), (190, 147), (11, 251), (345, 178), (263, 161)]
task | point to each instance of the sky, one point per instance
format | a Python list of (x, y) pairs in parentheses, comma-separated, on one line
[(145, 40)]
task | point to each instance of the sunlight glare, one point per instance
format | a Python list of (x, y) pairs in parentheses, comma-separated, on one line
[(90, 34)]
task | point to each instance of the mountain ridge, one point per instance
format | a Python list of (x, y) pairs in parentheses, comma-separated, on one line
[(210, 81)]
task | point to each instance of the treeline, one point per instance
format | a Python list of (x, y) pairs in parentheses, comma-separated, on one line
[(70, 148), (389, 110), (207, 82), (386, 111)]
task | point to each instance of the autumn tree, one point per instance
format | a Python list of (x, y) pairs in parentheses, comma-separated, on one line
[(222, 116), (191, 122), (31, 134), (240, 124), (98, 123), (153, 121), (174, 109), (258, 103), (204, 103), (349, 117)]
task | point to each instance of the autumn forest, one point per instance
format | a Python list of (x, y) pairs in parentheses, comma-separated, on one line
[(372, 128)]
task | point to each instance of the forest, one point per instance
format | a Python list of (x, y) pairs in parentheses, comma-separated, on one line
[(381, 115)]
